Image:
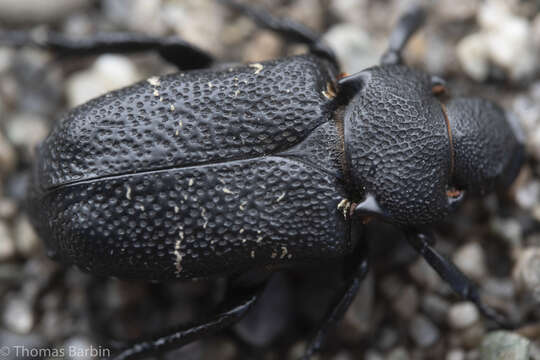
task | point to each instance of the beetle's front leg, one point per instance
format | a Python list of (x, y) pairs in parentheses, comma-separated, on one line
[(357, 267), (422, 242), (172, 49), (235, 306)]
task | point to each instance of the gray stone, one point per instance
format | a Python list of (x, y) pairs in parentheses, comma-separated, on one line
[(352, 11), (509, 229), (200, 22), (455, 354), (406, 302), (360, 313), (435, 307), (423, 331), (527, 271), (109, 72), (462, 315), (473, 54), (38, 11), (18, 316), (26, 239), (137, 15), (424, 274), (354, 47), (8, 209), (26, 131), (504, 345), (399, 353), (527, 195), (265, 45), (7, 245), (470, 259), (8, 157)]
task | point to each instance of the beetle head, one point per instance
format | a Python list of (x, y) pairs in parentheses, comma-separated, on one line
[(487, 145), (410, 157)]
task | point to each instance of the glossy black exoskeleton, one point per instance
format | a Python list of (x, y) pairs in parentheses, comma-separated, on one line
[(247, 170)]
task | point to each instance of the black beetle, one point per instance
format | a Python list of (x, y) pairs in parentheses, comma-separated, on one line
[(256, 168)]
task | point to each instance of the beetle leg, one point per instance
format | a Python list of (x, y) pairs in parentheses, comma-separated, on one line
[(287, 28), (344, 297), (234, 310), (407, 25), (180, 53), (421, 241)]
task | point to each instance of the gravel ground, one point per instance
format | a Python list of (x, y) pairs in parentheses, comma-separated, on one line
[(403, 311)]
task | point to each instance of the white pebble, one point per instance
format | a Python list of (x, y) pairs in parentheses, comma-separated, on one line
[(473, 54), (18, 316), (470, 259), (527, 271), (109, 72), (455, 354), (354, 47), (462, 315)]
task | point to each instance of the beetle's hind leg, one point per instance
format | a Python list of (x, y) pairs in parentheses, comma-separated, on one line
[(422, 242), (172, 49), (236, 304), (357, 267), (287, 28)]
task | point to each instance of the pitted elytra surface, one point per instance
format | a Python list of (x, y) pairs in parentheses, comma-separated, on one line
[(198, 221), (188, 119), (397, 144)]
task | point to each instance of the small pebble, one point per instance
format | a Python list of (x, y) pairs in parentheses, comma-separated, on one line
[(354, 47), (26, 239), (352, 11), (423, 331), (424, 274), (450, 10), (360, 313), (26, 130), (504, 345), (470, 259), (38, 11), (200, 22), (455, 354), (387, 339), (399, 353), (462, 315), (406, 302), (527, 271), (505, 40), (7, 245), (473, 54), (508, 229), (8, 209), (264, 45), (8, 157), (471, 337), (109, 72), (136, 15), (373, 355), (435, 307), (527, 195), (18, 315)]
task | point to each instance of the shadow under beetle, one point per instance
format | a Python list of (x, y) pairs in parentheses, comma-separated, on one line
[(261, 167)]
